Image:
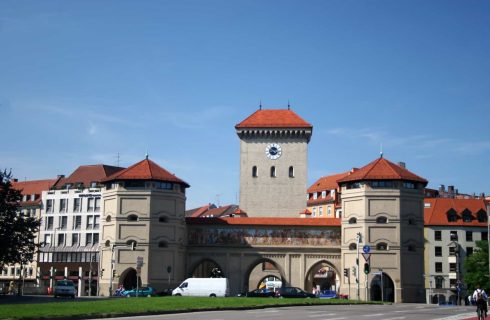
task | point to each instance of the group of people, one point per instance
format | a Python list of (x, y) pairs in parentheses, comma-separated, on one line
[(119, 291)]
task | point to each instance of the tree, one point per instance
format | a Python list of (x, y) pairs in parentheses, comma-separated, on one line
[(17, 231), (476, 267)]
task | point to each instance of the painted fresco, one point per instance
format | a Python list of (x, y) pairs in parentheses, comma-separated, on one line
[(265, 237)]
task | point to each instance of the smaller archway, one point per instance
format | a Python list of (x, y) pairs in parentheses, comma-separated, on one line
[(128, 279), (321, 276), (262, 272), (207, 269), (382, 289)]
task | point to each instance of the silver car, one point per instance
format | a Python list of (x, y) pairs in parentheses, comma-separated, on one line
[(65, 288)]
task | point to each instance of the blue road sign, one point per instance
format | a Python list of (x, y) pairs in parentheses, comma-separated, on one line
[(366, 248)]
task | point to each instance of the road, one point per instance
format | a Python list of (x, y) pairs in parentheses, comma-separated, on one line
[(330, 312)]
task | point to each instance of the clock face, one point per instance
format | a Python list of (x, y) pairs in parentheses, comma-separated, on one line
[(273, 151)]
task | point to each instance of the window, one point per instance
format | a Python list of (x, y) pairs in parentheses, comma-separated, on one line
[(291, 172), (439, 281), (162, 244), (49, 223), (75, 239), (382, 184), (88, 239), (49, 206), (320, 211), (453, 235), (77, 222), (63, 205), (469, 235), (484, 235), (90, 222), (353, 185), (90, 207), (452, 283), (47, 239), (439, 267), (314, 212), (353, 246), (467, 216), (324, 194), (63, 222), (254, 172), (352, 220), (438, 235), (411, 248), (438, 251), (469, 251), (381, 220), (97, 204), (452, 267), (273, 171), (315, 196), (329, 211), (408, 185), (481, 216), (61, 239), (77, 205), (132, 217), (162, 219), (96, 222), (382, 246), (96, 238)]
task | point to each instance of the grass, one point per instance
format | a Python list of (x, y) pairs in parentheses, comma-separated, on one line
[(138, 306)]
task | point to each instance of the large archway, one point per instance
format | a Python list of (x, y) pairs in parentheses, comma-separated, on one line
[(321, 276), (207, 268), (382, 289), (128, 279), (263, 273)]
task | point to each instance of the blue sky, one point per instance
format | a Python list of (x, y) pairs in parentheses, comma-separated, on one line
[(81, 81)]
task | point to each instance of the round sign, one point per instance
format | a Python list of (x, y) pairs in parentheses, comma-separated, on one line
[(366, 248)]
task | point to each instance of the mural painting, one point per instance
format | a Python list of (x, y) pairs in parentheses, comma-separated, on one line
[(261, 236)]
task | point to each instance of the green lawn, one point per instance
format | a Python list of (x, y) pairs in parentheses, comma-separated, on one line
[(138, 306)]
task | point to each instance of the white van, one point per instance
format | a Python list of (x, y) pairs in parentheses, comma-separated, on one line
[(203, 287)]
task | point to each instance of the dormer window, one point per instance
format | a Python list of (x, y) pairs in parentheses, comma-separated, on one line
[(452, 216), (481, 216), (315, 195), (93, 184), (324, 194), (467, 216)]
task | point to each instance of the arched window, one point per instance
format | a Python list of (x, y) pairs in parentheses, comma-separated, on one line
[(108, 219), (381, 220), (162, 244), (353, 246), (273, 171), (291, 172), (352, 220), (132, 244), (132, 217), (162, 219), (254, 172), (107, 243), (411, 248), (382, 246)]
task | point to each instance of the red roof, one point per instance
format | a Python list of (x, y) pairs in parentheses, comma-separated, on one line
[(382, 169), (87, 174), (298, 222), (145, 170), (436, 209), (327, 182), (35, 187), (278, 118)]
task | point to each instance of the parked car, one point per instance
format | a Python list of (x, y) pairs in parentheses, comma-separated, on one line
[(64, 288), (328, 294), (142, 292), (263, 293), (293, 292)]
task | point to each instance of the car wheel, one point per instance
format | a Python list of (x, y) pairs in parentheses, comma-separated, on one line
[(178, 295), (128, 296), (212, 295)]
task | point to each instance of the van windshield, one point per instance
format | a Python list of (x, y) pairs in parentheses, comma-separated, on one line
[(183, 285)]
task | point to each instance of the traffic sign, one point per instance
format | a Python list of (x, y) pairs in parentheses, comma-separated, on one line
[(366, 248), (366, 256)]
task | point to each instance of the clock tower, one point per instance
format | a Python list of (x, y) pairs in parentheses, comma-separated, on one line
[(273, 163)]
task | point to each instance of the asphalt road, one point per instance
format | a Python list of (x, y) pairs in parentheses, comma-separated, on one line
[(333, 312)]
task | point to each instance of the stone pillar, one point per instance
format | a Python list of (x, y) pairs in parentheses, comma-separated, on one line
[(81, 282)]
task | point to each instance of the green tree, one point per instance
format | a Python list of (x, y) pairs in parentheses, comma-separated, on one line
[(476, 267), (17, 231)]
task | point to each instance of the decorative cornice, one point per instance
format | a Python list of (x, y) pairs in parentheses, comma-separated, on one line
[(275, 133)]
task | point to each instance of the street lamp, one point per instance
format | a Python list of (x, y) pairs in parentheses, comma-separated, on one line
[(358, 239)]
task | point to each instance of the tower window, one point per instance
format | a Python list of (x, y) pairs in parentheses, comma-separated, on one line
[(273, 171), (291, 172), (254, 171), (381, 220)]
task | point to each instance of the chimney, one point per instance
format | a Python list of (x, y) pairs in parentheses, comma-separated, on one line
[(442, 188), (482, 195), (450, 189), (402, 164), (60, 176)]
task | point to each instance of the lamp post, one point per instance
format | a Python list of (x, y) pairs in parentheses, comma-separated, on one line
[(358, 240)]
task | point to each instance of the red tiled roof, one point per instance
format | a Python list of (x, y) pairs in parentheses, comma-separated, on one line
[(327, 182), (278, 118), (382, 169), (435, 211), (87, 174), (145, 170), (33, 187), (299, 222), (319, 200)]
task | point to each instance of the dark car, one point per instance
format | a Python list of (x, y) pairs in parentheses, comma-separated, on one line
[(65, 288), (293, 292), (142, 292), (263, 293)]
